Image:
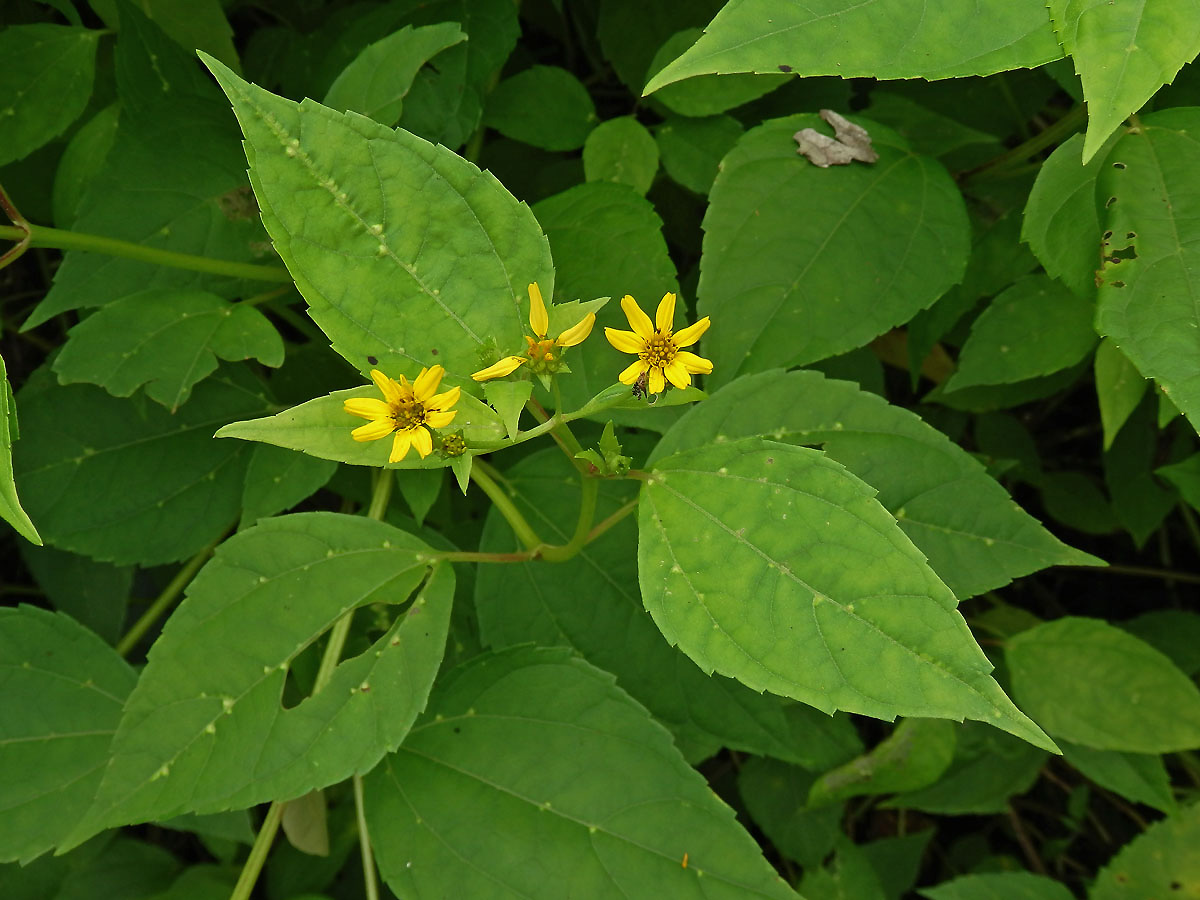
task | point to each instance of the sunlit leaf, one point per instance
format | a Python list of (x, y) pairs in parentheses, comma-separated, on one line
[(840, 575), (1161, 861), (205, 729)]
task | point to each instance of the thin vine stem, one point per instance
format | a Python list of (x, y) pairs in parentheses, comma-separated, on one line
[(258, 853), (1144, 572), (168, 596), (1054, 134), (364, 842), (29, 235), (525, 533)]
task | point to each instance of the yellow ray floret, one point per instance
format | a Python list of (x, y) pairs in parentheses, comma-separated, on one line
[(542, 350), (409, 410), (657, 347)]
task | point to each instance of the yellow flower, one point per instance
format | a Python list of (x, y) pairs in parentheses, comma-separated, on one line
[(410, 410), (657, 347), (542, 353)]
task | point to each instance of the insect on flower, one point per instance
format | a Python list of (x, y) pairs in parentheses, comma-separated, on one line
[(657, 346), (409, 410)]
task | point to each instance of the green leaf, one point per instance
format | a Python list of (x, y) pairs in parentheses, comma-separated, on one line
[(191, 24), (589, 603), (1139, 777), (897, 861), (926, 130), (1064, 215), (623, 151), (205, 730), (420, 489), (838, 255), (1123, 54), (848, 874), (406, 253), (10, 506), (1160, 862), (94, 594), (446, 101), (82, 161), (692, 149), (1096, 685), (1036, 327), (998, 886), (1119, 388), (168, 340), (125, 481), (376, 82), (632, 31), (545, 106), (975, 538), (1175, 632), (896, 39), (776, 795), (1148, 296), (46, 82), (989, 767), (863, 625), (707, 95), (322, 427), (63, 690), (508, 398), (519, 754), (278, 479), (913, 756), (1139, 500)]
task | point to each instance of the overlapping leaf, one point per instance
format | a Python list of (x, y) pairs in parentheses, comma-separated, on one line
[(844, 613), (621, 150), (10, 506), (166, 339), (450, 816), (205, 729), (1093, 684), (975, 537), (877, 39), (1140, 777), (278, 479), (63, 691), (1161, 861), (545, 106), (590, 604), (406, 253), (45, 82), (1124, 52), (802, 263), (124, 480)]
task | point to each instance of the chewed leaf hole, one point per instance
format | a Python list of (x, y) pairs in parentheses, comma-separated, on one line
[(1110, 202), (1118, 165), (1117, 284), (1130, 235), (1127, 253)]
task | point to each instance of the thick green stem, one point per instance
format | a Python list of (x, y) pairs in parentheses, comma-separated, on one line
[(482, 475), (60, 239), (1056, 133), (333, 651), (589, 489), (364, 842), (164, 600)]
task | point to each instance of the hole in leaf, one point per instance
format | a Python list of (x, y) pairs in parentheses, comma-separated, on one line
[(1127, 253), (1118, 165), (1130, 235), (1107, 235), (1110, 202), (1117, 283)]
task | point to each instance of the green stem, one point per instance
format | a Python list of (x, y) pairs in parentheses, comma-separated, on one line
[(333, 650), (1145, 572), (589, 489), (1057, 132), (1189, 521), (612, 520), (364, 841), (61, 239), (164, 600), (523, 530), (258, 853)]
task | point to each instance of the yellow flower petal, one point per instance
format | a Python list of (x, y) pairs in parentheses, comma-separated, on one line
[(506, 366), (625, 341), (367, 408), (656, 384), (538, 320), (665, 317), (695, 365), (630, 375), (427, 382), (444, 400), (400, 445), (578, 333), (677, 374), (422, 442), (390, 390), (373, 431), (638, 320), (440, 419), (685, 337)]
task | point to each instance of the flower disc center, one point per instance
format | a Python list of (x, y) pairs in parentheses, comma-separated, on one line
[(410, 414), (659, 350)]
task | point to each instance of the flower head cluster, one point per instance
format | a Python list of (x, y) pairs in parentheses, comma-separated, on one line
[(660, 358), (409, 410), (542, 356)]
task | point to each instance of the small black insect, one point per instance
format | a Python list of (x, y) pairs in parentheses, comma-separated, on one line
[(639, 386)]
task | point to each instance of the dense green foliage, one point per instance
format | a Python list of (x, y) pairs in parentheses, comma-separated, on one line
[(600, 448)]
